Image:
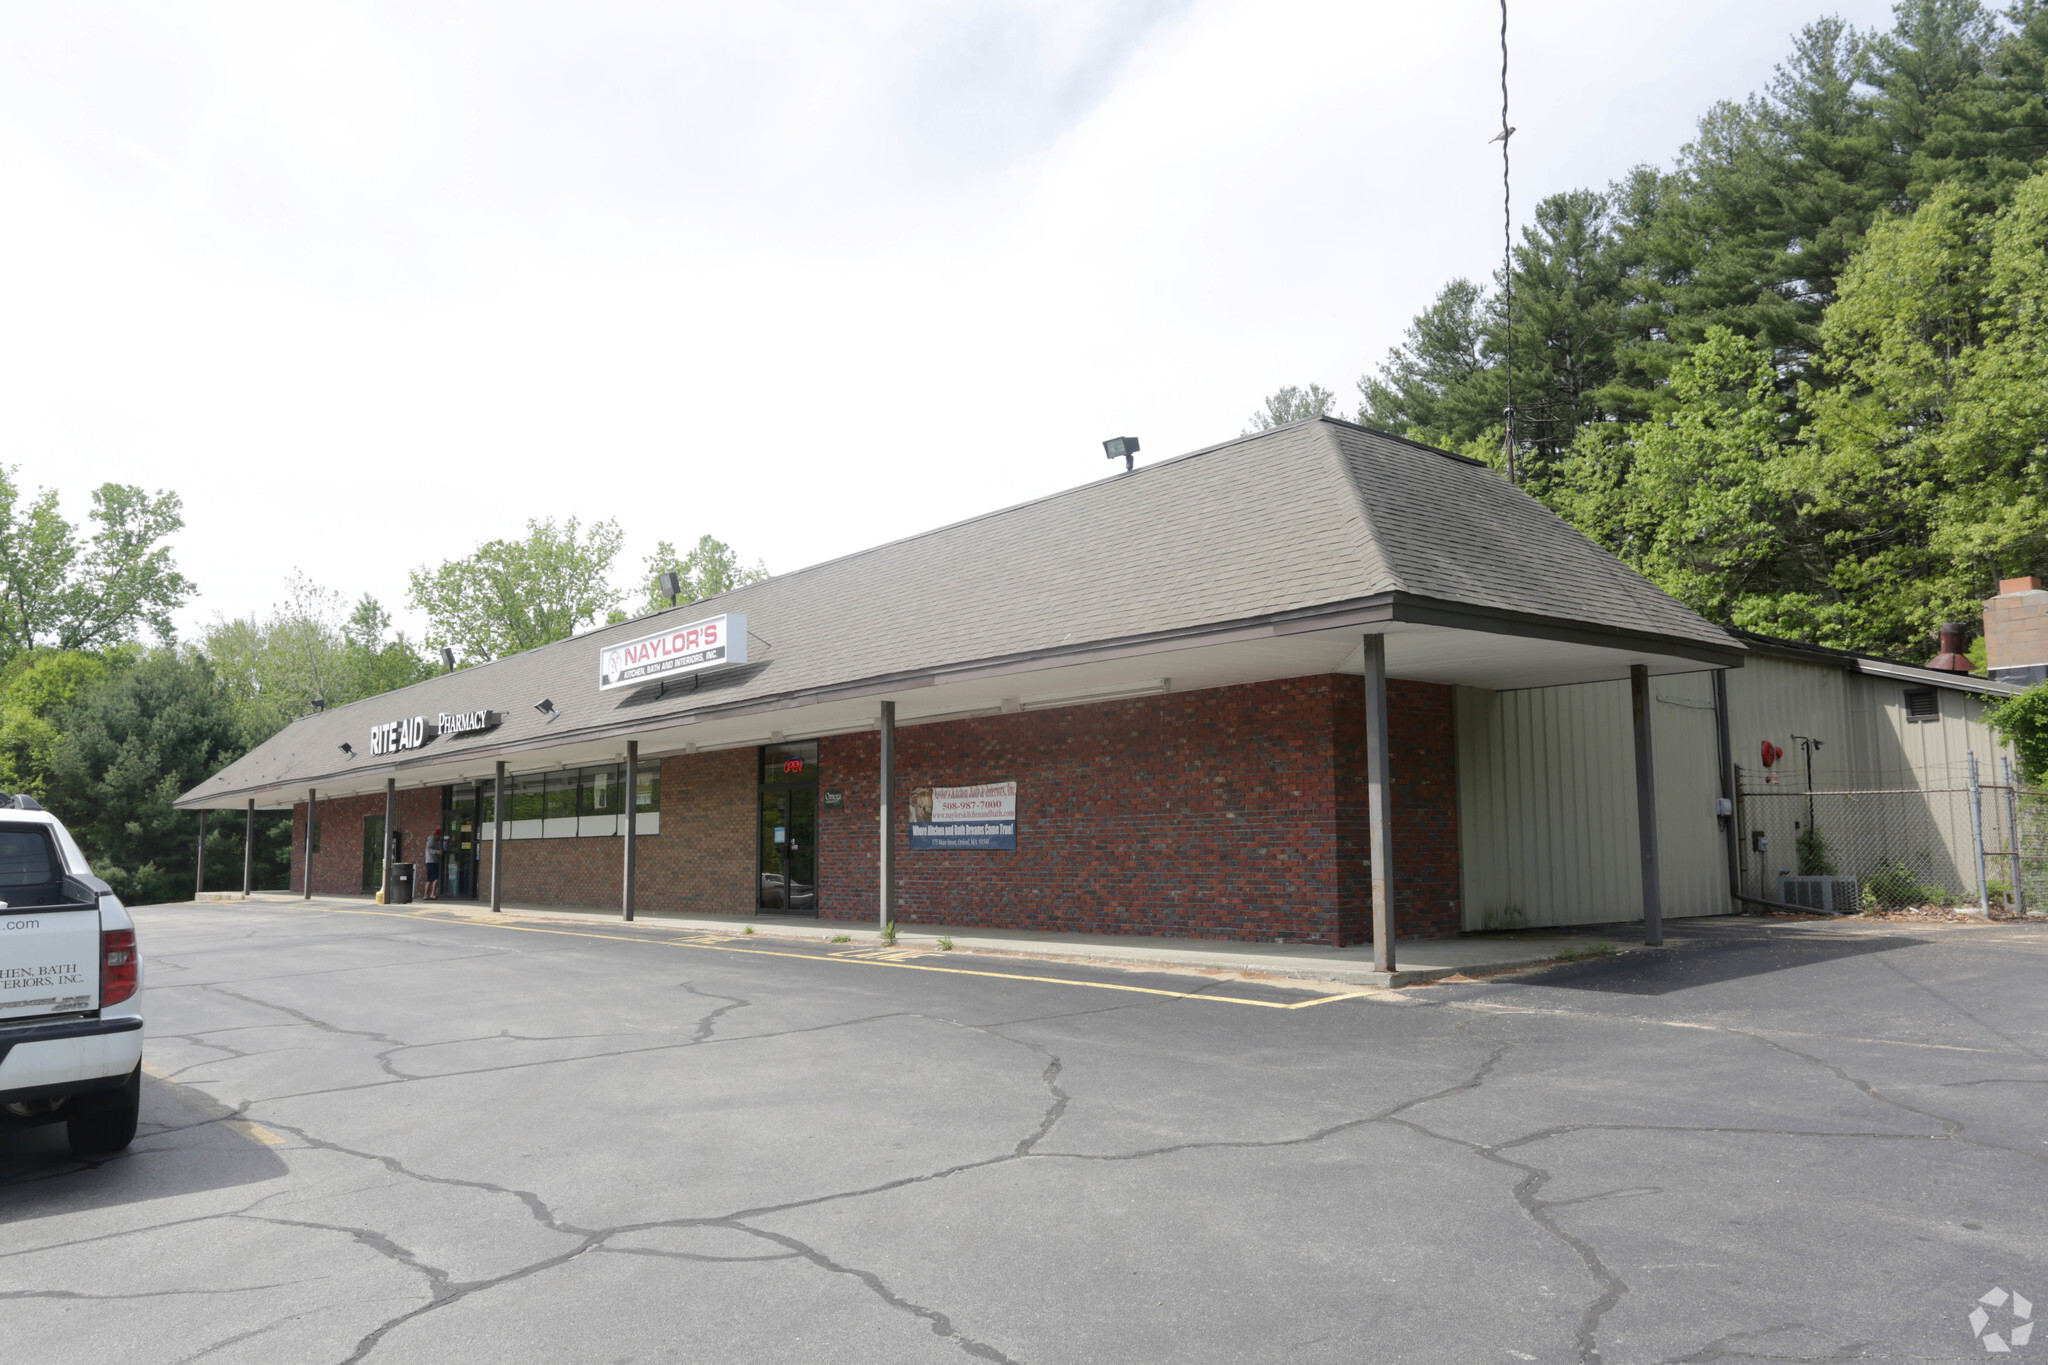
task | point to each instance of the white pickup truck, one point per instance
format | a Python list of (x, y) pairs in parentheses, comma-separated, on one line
[(70, 1022)]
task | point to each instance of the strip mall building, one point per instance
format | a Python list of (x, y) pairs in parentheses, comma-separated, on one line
[(1148, 705)]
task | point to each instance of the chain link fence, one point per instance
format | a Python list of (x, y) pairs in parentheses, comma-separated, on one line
[(1960, 842)]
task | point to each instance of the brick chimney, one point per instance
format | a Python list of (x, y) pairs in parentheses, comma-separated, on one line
[(2016, 632), (1955, 645)]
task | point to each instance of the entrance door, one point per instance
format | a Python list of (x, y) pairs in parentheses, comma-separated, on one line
[(789, 829), (373, 854), (461, 815)]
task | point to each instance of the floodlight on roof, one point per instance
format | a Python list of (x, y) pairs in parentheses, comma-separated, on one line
[(1122, 448), (546, 707), (447, 658), (672, 585), (347, 748)]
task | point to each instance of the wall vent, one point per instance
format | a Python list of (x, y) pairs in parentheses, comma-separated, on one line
[(1922, 703)]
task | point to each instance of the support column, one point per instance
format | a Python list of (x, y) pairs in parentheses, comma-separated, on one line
[(311, 810), (631, 861), (390, 829), (249, 850), (498, 841), (1731, 834), (199, 878), (1646, 805), (885, 897), (1379, 778)]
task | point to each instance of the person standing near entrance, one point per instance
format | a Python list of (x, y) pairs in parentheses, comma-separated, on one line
[(432, 890)]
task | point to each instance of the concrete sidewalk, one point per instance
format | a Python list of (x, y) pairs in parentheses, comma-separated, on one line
[(1416, 961)]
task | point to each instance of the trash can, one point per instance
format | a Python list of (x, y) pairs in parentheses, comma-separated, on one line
[(401, 885)]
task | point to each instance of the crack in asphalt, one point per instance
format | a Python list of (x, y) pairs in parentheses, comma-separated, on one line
[(941, 1325), (1531, 1179), (140, 1294)]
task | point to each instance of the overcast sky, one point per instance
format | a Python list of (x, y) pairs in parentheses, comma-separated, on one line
[(369, 283)]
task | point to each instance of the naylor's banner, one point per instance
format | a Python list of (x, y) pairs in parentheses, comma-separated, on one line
[(964, 817), (710, 643)]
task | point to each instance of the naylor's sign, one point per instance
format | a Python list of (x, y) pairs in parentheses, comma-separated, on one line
[(710, 643)]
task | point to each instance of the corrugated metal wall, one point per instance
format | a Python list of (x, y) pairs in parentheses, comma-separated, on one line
[(1546, 782), (1546, 799)]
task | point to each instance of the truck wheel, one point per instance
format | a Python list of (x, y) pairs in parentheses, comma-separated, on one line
[(105, 1122)]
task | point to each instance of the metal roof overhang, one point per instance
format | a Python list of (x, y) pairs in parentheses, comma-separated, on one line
[(1427, 641)]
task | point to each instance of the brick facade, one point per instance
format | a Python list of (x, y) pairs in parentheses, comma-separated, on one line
[(1228, 813), (338, 866), (1235, 812), (702, 862)]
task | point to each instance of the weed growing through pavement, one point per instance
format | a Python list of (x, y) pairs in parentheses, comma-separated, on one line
[(749, 929), (945, 944), (840, 938), (1579, 952), (889, 932)]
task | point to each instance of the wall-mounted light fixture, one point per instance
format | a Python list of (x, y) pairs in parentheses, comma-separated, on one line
[(1122, 448), (672, 585)]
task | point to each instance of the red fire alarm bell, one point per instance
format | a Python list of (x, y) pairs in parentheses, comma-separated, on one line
[(1772, 753)]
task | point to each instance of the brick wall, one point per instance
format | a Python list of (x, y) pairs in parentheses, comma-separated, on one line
[(702, 862), (2016, 625), (338, 866), (1234, 812), (1227, 813)]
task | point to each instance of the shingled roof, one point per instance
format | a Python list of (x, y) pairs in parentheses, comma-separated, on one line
[(1312, 520)]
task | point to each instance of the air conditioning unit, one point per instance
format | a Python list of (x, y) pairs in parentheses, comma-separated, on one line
[(1832, 895)]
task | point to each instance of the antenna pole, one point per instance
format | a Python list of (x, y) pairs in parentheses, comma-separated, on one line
[(1507, 254)]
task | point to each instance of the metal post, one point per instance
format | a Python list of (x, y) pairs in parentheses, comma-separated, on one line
[(1722, 736), (1379, 803), (1646, 805), (498, 841), (1977, 833), (630, 862), (199, 880), (310, 810), (885, 895), (249, 850), (390, 820), (2012, 835)]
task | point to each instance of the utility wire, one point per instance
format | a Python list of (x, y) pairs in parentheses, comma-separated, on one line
[(1507, 253)]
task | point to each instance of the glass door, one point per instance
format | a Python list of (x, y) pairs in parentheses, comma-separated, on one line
[(789, 829), (460, 820)]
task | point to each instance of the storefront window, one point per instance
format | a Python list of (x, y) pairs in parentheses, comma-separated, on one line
[(649, 795), (601, 794), (527, 789), (560, 800)]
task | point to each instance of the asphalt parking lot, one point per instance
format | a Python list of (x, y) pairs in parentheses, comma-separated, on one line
[(374, 1135)]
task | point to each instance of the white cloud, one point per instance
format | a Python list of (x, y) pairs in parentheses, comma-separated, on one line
[(369, 283)]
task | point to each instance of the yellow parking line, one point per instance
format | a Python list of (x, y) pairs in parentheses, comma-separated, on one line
[(860, 961)]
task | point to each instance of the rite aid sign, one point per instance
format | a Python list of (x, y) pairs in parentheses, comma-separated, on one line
[(395, 736), (710, 643)]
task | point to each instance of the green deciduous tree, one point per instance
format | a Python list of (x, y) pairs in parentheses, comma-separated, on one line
[(1702, 501), (35, 690), (130, 747), (514, 595), (66, 590), (310, 648), (1290, 404), (710, 568)]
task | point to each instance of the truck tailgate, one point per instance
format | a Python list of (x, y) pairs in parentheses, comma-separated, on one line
[(49, 961)]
